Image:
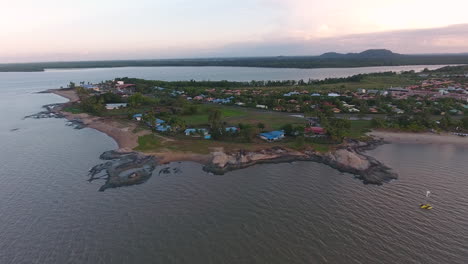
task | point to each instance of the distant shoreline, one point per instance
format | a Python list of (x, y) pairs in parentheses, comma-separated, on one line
[(370, 58)]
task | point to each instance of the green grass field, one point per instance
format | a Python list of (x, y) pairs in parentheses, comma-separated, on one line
[(149, 142), (73, 110), (359, 128)]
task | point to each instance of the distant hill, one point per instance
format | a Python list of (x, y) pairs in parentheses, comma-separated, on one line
[(371, 53), (368, 58)]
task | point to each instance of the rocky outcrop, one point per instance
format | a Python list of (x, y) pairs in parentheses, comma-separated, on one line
[(347, 158), (223, 162), (123, 169)]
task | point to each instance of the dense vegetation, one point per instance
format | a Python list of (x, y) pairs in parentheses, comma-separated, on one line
[(328, 60)]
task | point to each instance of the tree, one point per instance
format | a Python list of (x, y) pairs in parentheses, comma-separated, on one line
[(214, 118), (464, 122), (378, 122), (261, 126), (288, 129), (247, 132)]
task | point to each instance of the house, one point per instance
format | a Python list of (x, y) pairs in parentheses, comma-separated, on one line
[(240, 104), (373, 110), (159, 121), (279, 108), (125, 86), (353, 110), (91, 87), (196, 131), (262, 106), (273, 135), (336, 110), (163, 128), (361, 91), (231, 129), (315, 94), (137, 117), (115, 106), (333, 95), (315, 130), (313, 121), (291, 93), (398, 89)]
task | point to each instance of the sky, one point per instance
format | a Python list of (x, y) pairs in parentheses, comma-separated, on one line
[(57, 30)]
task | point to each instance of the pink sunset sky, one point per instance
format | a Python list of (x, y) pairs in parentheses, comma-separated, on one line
[(54, 30)]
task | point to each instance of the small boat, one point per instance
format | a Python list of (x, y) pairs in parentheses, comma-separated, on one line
[(426, 205)]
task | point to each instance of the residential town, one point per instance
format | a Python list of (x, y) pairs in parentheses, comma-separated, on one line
[(173, 107)]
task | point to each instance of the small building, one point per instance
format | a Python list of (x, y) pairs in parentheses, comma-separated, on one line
[(336, 110), (137, 117), (315, 94), (291, 94), (115, 106), (262, 106), (333, 95), (313, 121), (272, 136), (315, 130), (163, 128), (196, 131), (361, 91), (91, 87), (159, 122), (231, 129), (125, 86)]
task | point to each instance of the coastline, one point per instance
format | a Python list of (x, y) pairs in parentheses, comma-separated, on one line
[(419, 138), (348, 157)]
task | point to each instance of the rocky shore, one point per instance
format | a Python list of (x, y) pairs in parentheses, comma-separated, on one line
[(123, 169), (346, 158)]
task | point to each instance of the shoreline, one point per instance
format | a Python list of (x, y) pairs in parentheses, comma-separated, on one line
[(419, 138), (348, 157), (123, 135)]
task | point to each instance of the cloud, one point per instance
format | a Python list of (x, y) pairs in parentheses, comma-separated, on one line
[(451, 39)]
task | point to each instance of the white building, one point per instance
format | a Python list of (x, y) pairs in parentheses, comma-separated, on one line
[(115, 106)]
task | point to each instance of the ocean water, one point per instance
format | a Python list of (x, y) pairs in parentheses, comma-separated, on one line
[(301, 212)]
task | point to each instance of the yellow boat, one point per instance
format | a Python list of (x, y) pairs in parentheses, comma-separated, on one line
[(425, 206)]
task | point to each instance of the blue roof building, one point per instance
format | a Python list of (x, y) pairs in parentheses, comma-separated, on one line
[(163, 128), (273, 135), (194, 131), (231, 129)]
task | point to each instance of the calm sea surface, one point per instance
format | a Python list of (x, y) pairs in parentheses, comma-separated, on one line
[(302, 212)]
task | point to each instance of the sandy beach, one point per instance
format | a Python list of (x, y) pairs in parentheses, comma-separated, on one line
[(420, 138), (123, 132)]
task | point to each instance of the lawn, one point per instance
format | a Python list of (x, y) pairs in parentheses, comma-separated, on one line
[(359, 128), (73, 109), (149, 142), (202, 117)]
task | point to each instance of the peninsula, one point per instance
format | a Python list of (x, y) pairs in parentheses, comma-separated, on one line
[(232, 125)]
